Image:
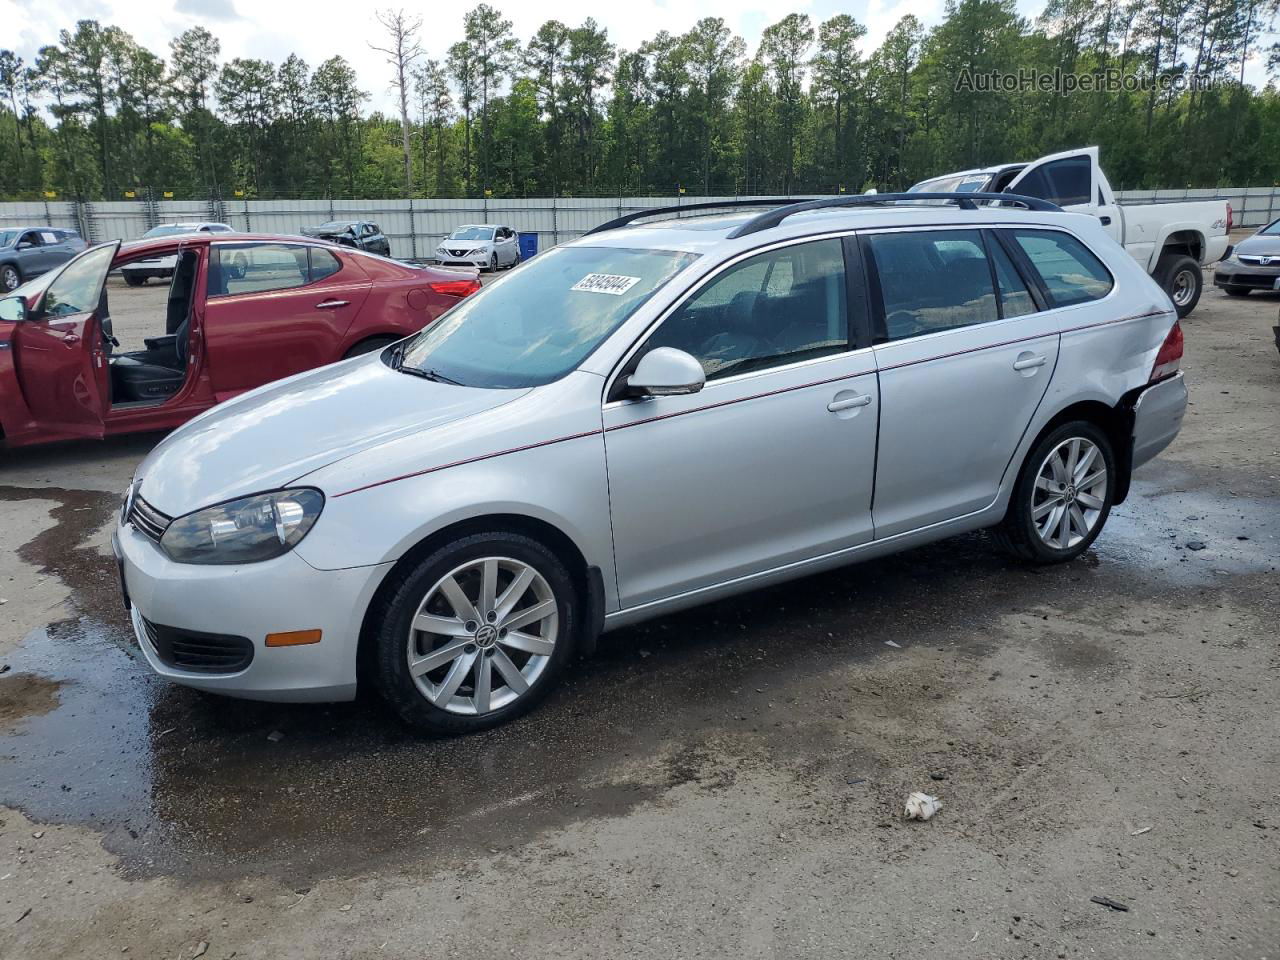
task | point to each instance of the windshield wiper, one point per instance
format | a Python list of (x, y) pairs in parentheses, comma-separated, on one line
[(426, 374)]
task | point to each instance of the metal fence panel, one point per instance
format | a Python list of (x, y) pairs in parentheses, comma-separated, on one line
[(416, 226)]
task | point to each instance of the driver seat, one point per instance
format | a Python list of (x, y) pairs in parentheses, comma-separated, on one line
[(154, 374)]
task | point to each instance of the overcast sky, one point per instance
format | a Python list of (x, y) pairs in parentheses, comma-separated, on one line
[(319, 29)]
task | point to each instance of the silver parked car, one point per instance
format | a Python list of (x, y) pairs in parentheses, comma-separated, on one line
[(1254, 263), (484, 245), (27, 252), (650, 417)]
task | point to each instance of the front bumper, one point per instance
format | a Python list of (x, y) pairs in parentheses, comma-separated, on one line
[(1231, 273), (1157, 417), (250, 601), (472, 258), (148, 271)]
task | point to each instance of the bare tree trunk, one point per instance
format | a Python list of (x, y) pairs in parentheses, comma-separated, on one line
[(402, 50)]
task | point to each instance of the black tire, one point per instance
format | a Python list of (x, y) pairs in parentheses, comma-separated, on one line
[(493, 263), (398, 605), (10, 277), (1017, 533), (369, 346), (1182, 279), (134, 281), (1232, 291)]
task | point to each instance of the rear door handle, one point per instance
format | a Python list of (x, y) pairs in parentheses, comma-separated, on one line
[(1028, 362), (331, 304), (835, 406), (1106, 221)]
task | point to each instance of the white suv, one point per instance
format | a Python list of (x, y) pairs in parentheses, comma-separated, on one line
[(650, 417)]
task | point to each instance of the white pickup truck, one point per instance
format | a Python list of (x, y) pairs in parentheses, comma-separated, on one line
[(1171, 239)]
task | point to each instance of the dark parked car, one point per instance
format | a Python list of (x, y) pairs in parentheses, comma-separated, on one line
[(27, 252), (1254, 264), (360, 234)]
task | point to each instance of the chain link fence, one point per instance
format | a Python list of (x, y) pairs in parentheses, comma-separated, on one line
[(416, 226)]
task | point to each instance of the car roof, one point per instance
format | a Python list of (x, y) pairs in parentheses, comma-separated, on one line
[(192, 239), (701, 234)]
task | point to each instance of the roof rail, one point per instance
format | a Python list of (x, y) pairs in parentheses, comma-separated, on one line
[(627, 218), (965, 201)]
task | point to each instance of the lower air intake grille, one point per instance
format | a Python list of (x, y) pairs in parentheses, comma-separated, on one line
[(199, 652)]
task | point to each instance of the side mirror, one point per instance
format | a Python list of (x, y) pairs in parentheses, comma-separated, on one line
[(13, 309), (24, 245), (666, 372)]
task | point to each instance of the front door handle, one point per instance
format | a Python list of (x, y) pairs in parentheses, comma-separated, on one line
[(70, 339), (331, 304), (1106, 221), (835, 406), (1028, 363)]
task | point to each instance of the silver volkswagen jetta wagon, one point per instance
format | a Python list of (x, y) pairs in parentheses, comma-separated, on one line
[(654, 415)]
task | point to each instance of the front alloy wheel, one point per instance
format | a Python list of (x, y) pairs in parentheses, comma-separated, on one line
[(474, 634), (10, 279), (483, 635)]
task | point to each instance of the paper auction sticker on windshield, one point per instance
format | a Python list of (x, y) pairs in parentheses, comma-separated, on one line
[(610, 283)]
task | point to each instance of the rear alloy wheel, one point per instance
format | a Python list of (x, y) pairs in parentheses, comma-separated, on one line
[(10, 278), (1236, 291), (1182, 279), (1062, 497), (477, 634)]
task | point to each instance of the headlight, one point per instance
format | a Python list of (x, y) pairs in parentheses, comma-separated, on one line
[(441, 250), (248, 530)]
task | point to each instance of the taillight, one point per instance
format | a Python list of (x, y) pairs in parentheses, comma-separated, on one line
[(1231, 218), (1170, 356), (455, 288)]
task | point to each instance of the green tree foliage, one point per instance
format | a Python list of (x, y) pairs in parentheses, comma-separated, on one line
[(813, 108)]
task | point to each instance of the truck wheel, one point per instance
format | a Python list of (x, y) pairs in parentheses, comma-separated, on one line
[(10, 278), (134, 281), (1181, 278), (1237, 291)]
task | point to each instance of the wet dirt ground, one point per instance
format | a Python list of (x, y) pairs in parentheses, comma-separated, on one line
[(724, 782)]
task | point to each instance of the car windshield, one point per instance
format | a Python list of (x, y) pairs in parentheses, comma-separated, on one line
[(1270, 230), (8, 237), (472, 233), (171, 229), (962, 183), (535, 325)]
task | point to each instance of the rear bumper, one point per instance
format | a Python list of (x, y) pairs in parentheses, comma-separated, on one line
[(1157, 417)]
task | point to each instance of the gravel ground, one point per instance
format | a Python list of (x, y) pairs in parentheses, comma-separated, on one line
[(723, 782)]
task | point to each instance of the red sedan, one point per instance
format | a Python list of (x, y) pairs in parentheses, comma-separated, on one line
[(242, 310)]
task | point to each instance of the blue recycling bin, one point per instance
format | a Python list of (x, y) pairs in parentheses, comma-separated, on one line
[(528, 246)]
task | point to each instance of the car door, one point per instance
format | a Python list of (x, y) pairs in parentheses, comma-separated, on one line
[(507, 246), (59, 352), (1068, 179), (33, 258), (772, 462), (55, 248), (965, 351), (276, 309)]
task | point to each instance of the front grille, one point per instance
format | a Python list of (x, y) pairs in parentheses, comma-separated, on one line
[(147, 520), (1258, 261), (458, 253), (199, 652)]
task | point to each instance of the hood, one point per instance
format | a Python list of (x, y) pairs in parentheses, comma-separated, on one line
[(343, 231), (464, 244), (1259, 245), (270, 437)]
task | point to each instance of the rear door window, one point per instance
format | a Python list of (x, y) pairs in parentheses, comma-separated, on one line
[(257, 268), (1015, 298), (323, 264), (1070, 271), (932, 281)]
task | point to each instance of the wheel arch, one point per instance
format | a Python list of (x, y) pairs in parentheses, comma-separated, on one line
[(1188, 242), (1116, 421), (587, 579)]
